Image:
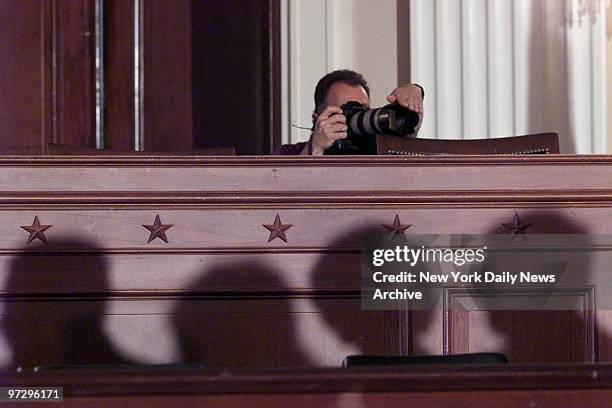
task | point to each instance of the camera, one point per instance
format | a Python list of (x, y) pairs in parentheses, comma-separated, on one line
[(364, 124)]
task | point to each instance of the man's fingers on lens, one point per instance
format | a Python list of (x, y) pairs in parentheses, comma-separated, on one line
[(339, 127), (330, 111), (331, 130), (334, 119), (339, 118)]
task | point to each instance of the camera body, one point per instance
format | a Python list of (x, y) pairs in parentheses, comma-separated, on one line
[(364, 124)]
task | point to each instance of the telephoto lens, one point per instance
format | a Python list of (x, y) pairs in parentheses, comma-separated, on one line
[(364, 124), (391, 119)]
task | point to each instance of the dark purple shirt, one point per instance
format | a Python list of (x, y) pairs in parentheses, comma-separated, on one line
[(290, 149)]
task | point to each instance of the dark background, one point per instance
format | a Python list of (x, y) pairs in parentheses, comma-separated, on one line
[(211, 70)]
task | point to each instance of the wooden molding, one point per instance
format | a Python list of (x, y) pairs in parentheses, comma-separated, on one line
[(321, 380), (457, 315), (309, 161)]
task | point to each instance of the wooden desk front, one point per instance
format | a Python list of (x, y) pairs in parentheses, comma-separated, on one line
[(518, 386), (222, 293)]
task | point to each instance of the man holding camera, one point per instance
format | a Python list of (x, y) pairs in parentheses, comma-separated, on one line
[(332, 92)]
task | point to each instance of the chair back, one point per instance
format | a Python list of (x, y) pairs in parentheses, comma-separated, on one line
[(542, 143)]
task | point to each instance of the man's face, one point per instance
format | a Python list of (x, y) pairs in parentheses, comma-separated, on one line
[(340, 93)]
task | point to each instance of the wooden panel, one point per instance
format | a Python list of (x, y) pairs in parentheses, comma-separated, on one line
[(254, 331), (403, 42), (233, 76), (207, 81), (149, 272), (538, 182), (513, 331), (209, 229), (456, 329), (219, 270), (25, 76), (85, 299), (41, 333), (46, 88), (168, 82), (527, 335), (604, 335), (319, 332), (74, 54), (119, 74), (503, 399), (561, 386)]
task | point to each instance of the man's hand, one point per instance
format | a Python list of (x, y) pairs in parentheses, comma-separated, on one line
[(409, 96), (330, 125)]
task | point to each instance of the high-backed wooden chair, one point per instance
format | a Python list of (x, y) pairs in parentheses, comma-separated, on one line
[(542, 143), (56, 149)]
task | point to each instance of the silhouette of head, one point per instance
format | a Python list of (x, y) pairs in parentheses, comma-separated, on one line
[(46, 322)]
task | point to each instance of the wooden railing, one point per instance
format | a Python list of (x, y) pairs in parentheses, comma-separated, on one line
[(149, 259)]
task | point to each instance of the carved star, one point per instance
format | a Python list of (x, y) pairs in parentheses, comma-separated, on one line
[(397, 228), (277, 230), (36, 230), (158, 230), (516, 227)]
